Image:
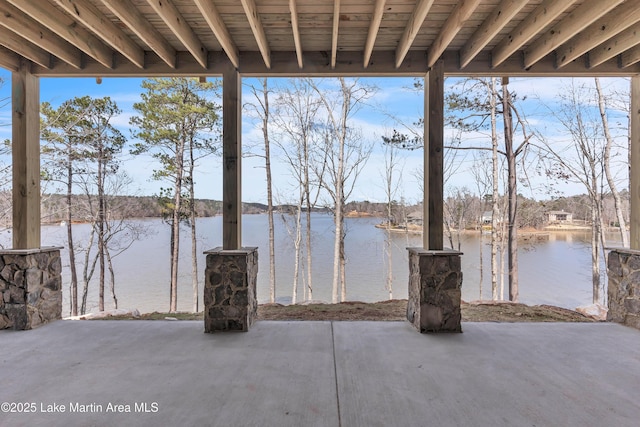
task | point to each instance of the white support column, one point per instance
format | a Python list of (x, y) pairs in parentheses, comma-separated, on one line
[(232, 159), (634, 176), (25, 147), (433, 203)]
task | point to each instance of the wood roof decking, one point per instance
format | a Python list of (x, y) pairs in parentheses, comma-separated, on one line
[(321, 37)]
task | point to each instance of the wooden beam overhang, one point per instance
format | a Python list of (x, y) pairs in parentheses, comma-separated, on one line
[(175, 21), (62, 25), (9, 60), (13, 19), (433, 203), (582, 17), (295, 28), (451, 27), (24, 48), (501, 15), (630, 57), (232, 158), (317, 64), (212, 16), (133, 19), (634, 175), (615, 46), (599, 32), (542, 16), (100, 25), (374, 27), (334, 32), (251, 11), (418, 16), (25, 155)]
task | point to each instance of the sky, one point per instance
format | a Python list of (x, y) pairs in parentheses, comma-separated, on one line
[(394, 103)]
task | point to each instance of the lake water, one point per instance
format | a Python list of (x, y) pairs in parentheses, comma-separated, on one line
[(555, 272)]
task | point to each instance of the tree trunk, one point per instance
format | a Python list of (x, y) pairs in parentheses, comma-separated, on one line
[(175, 227), (194, 238), (495, 209), (70, 244), (343, 270), (100, 221), (595, 253), (607, 166), (112, 277), (296, 243), (513, 192)]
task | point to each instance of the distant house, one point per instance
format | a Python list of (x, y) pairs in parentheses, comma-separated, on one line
[(486, 217), (558, 217), (415, 218)]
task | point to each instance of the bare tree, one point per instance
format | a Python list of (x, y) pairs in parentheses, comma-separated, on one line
[(346, 155)]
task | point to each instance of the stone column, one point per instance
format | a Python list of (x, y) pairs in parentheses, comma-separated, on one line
[(435, 282), (30, 287), (230, 302), (624, 287)]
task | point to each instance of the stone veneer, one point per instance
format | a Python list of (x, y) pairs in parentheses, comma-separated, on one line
[(230, 302), (30, 287), (435, 282), (624, 287)]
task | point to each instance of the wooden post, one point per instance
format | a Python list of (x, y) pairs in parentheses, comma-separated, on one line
[(232, 158), (25, 148), (433, 204), (634, 175)]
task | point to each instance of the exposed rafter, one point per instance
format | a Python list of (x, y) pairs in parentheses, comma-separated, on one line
[(16, 21), (93, 19), (501, 15), (411, 30), (251, 11), (615, 46), (25, 48), (174, 20), (630, 57), (137, 23), (595, 34), (293, 9), (374, 26), (453, 24), (211, 15), (61, 24), (582, 17), (9, 60), (542, 16), (334, 32)]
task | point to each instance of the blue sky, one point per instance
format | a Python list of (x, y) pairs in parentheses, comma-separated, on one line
[(394, 97)]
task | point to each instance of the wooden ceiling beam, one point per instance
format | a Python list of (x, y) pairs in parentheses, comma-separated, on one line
[(599, 32), (176, 23), (9, 60), (61, 24), (87, 14), (293, 9), (630, 57), (334, 32), (411, 30), (25, 48), (453, 24), (212, 16), (501, 16), (542, 16), (374, 27), (615, 46), (13, 19), (132, 18), (253, 16), (583, 16)]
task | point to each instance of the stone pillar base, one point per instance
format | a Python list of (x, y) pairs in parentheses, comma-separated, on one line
[(435, 281), (30, 287), (624, 287), (230, 302)]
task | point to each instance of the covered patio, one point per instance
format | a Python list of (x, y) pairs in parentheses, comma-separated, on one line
[(150, 373), (430, 39)]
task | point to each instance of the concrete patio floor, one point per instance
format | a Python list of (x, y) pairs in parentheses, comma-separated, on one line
[(321, 374)]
